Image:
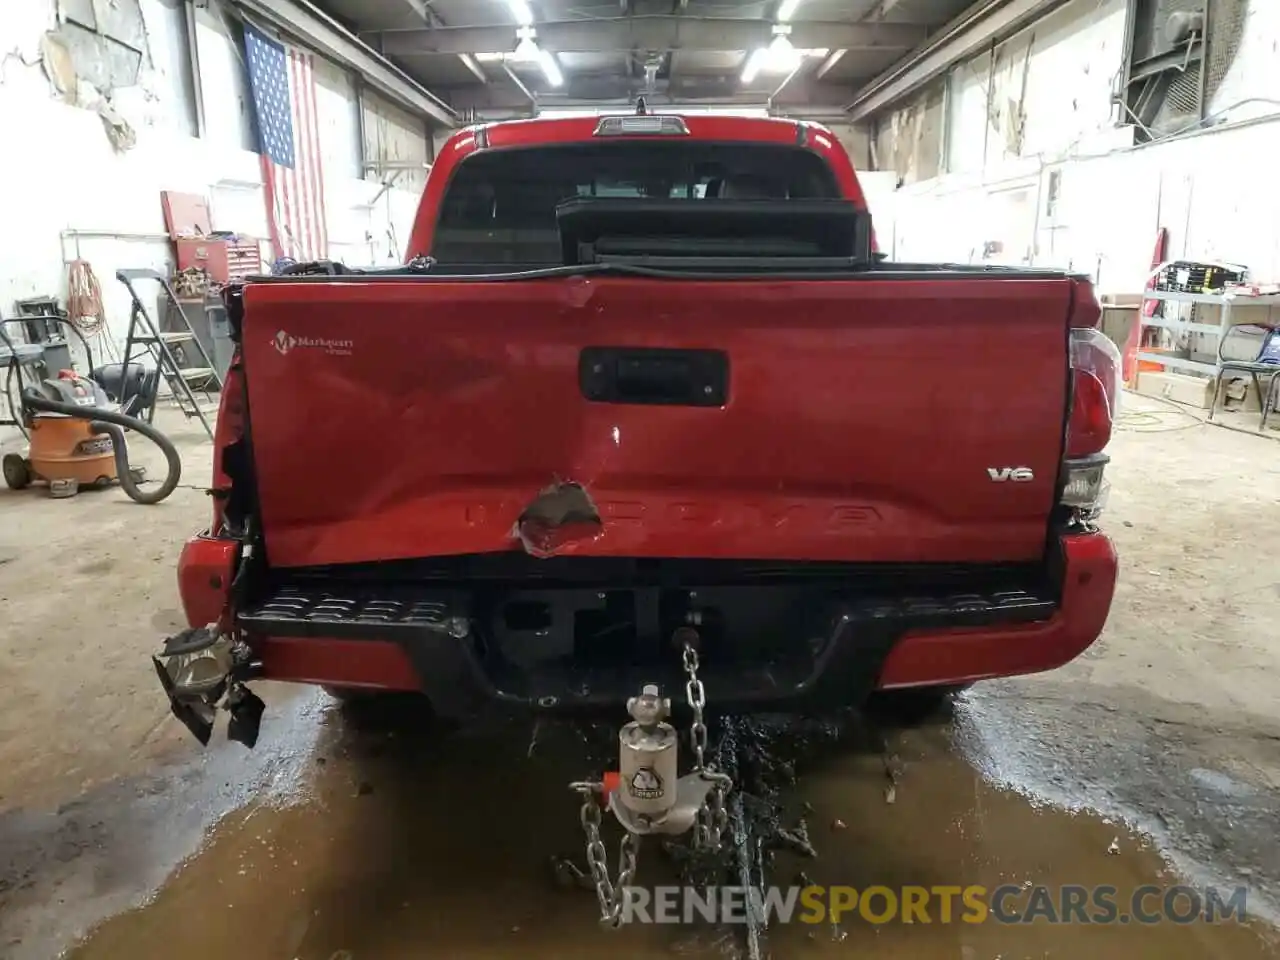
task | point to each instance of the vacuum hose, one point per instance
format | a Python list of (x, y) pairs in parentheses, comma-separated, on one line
[(110, 423)]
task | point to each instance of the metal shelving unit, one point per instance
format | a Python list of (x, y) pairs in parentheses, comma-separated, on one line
[(1224, 300)]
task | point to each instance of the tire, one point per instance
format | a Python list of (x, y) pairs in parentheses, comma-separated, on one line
[(913, 706), (17, 471)]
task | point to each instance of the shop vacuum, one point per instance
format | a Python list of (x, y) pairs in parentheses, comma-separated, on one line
[(77, 439)]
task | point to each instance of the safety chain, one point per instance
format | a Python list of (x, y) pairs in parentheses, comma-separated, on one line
[(713, 818), (608, 892)]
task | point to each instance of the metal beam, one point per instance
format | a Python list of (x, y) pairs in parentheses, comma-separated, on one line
[(429, 16), (801, 97), (519, 84), (326, 36), (971, 32), (472, 64), (834, 57), (649, 33), (193, 53), (876, 13), (784, 84), (881, 9)]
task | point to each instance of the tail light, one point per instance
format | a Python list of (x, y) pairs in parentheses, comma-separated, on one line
[(1095, 402)]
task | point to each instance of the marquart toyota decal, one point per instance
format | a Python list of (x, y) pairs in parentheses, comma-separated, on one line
[(287, 342)]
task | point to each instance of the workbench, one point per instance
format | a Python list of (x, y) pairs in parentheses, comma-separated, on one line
[(1225, 301)]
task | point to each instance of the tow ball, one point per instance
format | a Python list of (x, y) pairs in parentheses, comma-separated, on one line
[(202, 670), (645, 794)]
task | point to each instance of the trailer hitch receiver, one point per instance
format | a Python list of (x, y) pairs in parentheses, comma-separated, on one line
[(644, 793)]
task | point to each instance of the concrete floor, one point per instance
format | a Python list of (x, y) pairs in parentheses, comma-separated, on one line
[(1154, 758)]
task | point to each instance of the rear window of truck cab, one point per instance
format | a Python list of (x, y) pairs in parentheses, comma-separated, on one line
[(500, 205)]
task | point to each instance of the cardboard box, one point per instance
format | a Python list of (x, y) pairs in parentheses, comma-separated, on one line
[(1118, 321), (1237, 396), (1180, 388)]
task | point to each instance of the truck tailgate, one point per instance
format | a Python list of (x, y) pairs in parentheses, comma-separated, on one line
[(905, 420)]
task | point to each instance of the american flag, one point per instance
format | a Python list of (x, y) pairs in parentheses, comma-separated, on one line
[(283, 83)]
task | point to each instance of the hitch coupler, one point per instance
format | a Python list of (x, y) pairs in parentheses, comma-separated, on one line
[(647, 795)]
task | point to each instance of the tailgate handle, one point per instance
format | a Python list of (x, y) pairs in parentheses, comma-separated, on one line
[(652, 375)]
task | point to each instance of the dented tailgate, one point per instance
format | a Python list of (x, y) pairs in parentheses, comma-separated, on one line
[(873, 419)]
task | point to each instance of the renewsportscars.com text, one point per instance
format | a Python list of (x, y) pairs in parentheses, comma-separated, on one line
[(1008, 904)]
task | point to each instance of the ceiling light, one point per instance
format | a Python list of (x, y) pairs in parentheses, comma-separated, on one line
[(520, 10), (787, 9), (781, 56), (550, 69), (527, 49)]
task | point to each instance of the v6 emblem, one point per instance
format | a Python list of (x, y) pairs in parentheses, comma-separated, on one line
[(1016, 474)]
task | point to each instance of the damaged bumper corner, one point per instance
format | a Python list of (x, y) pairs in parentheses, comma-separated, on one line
[(203, 671)]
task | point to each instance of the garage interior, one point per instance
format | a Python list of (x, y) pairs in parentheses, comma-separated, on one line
[(1122, 140)]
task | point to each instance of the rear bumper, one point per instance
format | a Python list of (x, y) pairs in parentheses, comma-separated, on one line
[(956, 656), (845, 650)]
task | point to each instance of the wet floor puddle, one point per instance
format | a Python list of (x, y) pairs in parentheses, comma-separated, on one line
[(411, 848)]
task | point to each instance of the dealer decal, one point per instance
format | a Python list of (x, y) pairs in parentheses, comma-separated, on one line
[(285, 343)]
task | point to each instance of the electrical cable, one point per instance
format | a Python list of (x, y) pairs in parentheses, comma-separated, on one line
[(84, 299), (1154, 421), (1157, 421)]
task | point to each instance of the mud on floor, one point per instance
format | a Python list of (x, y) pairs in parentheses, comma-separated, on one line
[(405, 844)]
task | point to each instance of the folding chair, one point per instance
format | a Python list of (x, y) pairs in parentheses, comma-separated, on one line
[(1251, 348)]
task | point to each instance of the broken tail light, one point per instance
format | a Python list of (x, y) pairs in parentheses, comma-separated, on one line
[(1095, 402), (203, 669)]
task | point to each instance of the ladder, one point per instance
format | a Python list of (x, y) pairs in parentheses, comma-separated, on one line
[(164, 347)]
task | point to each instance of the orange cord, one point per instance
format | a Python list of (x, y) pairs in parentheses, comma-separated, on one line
[(84, 299)]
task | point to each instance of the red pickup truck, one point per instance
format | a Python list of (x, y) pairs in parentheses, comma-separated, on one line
[(640, 378)]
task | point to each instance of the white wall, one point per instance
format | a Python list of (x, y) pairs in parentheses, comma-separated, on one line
[(909, 140), (82, 198), (338, 110), (1050, 88), (1050, 111), (398, 152), (856, 140), (395, 142), (229, 106)]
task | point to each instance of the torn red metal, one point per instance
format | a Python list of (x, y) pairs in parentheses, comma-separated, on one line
[(561, 517)]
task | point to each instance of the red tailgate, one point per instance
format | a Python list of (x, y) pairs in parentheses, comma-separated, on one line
[(408, 418)]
